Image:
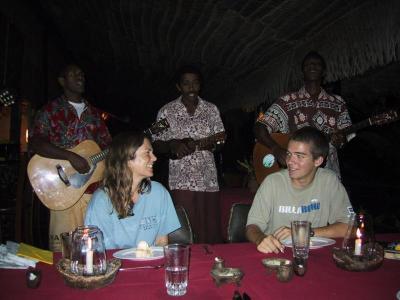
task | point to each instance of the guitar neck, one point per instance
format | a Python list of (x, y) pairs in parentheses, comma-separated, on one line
[(98, 157), (357, 126), (207, 141)]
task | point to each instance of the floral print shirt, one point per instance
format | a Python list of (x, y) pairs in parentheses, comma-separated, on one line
[(197, 171), (59, 123), (297, 109)]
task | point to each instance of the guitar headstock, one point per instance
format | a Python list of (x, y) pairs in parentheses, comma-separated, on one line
[(158, 127), (384, 118)]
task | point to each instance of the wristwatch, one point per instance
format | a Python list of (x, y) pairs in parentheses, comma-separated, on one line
[(312, 233)]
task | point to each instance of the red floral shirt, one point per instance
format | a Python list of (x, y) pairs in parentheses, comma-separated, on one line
[(59, 123)]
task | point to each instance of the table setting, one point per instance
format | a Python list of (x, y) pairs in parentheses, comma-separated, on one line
[(198, 271)]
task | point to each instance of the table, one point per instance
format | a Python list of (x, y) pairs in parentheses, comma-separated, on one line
[(323, 279), (230, 196)]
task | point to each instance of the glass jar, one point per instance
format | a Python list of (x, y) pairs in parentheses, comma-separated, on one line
[(88, 253), (359, 240)]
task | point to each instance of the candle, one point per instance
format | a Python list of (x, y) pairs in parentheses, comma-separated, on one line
[(357, 246), (89, 257)]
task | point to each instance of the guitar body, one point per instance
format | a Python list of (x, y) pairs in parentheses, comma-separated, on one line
[(260, 151), (44, 175)]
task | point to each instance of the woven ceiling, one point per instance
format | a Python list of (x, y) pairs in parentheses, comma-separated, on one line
[(248, 50)]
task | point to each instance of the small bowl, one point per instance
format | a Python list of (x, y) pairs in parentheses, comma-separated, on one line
[(282, 267)]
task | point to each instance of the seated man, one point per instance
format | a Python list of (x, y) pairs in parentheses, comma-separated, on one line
[(303, 191)]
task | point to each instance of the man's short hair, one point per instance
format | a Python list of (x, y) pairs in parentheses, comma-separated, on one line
[(313, 54), (188, 69), (318, 140)]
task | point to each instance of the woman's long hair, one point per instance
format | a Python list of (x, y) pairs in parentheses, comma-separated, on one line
[(117, 181)]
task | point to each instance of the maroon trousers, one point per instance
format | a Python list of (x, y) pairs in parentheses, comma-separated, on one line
[(204, 212)]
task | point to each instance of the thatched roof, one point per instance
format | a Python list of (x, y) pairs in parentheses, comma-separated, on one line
[(249, 50)]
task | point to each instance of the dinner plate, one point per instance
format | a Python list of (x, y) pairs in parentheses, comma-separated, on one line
[(157, 253), (316, 242)]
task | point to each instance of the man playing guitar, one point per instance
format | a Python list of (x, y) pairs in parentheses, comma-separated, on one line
[(60, 125), (195, 130), (310, 106)]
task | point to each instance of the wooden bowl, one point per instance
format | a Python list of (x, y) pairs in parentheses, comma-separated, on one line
[(88, 282)]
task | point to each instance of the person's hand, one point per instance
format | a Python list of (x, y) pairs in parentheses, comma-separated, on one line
[(338, 139), (282, 233), (182, 147), (270, 244), (79, 163), (280, 155)]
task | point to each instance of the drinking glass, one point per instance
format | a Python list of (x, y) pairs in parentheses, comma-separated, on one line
[(88, 255), (176, 269), (300, 244)]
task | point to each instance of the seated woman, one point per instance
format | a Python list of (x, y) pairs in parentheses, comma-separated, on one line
[(129, 207)]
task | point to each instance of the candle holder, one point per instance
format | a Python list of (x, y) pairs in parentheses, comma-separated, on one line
[(360, 251), (223, 275), (88, 282), (88, 255)]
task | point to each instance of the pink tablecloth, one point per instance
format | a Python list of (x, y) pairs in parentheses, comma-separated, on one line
[(228, 197), (323, 279)]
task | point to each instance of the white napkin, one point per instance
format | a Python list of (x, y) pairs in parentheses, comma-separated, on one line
[(9, 259)]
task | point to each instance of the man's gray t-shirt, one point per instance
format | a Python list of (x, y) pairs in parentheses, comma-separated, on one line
[(277, 202)]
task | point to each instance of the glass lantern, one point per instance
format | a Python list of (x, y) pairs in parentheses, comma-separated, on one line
[(359, 241), (88, 253)]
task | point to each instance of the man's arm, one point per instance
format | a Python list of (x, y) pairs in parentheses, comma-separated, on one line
[(162, 240), (174, 148), (44, 148), (265, 243), (262, 135), (336, 230)]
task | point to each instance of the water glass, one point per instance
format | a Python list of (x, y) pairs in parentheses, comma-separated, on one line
[(176, 269), (300, 238), (88, 253), (301, 244)]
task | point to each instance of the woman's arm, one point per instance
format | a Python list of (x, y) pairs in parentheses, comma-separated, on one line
[(162, 240)]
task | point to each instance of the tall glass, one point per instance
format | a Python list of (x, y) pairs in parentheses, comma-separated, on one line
[(301, 245), (88, 253), (176, 269)]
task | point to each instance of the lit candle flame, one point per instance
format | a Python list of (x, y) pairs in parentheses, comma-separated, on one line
[(26, 135), (358, 233)]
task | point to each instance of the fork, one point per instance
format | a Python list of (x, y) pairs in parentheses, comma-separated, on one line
[(142, 267)]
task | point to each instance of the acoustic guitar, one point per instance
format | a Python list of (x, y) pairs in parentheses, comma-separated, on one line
[(58, 185), (260, 150), (205, 143)]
